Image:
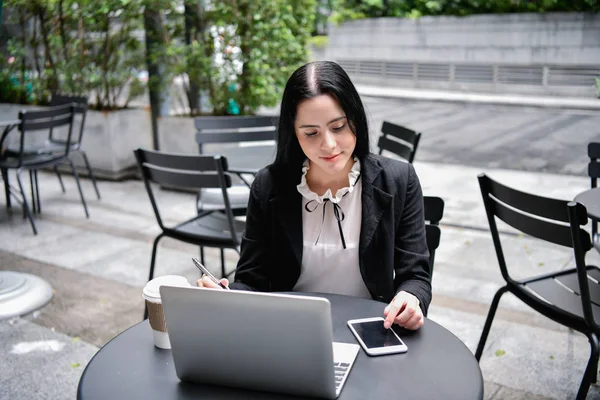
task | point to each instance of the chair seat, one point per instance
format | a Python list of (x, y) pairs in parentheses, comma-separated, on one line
[(32, 161), (211, 229), (212, 198), (563, 290), (47, 147)]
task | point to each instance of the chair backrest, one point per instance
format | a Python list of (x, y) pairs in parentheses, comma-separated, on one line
[(48, 119), (552, 220), (399, 140), (434, 211), (234, 129), (594, 172), (184, 171), (82, 107), (594, 165)]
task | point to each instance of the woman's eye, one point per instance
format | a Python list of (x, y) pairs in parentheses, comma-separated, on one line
[(338, 128), (310, 134)]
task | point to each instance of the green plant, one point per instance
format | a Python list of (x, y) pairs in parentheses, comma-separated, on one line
[(243, 51), (319, 41), (238, 53), (344, 10), (76, 47)]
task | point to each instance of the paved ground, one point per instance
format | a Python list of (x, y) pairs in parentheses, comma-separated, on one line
[(494, 136)]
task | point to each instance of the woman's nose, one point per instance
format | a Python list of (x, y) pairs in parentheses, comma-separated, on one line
[(328, 142)]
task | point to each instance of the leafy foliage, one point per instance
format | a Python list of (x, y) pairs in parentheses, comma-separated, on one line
[(238, 53), (75, 47), (246, 52), (356, 9)]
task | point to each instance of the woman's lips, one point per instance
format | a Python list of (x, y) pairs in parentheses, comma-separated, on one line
[(332, 158)]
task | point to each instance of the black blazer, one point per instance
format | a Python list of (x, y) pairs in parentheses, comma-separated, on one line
[(393, 253)]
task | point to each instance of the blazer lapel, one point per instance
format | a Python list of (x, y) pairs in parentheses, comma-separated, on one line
[(374, 202), (288, 209)]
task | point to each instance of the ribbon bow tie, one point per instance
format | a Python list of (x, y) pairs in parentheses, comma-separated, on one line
[(337, 212)]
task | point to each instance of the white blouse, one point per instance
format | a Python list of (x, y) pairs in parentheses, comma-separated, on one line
[(327, 266)]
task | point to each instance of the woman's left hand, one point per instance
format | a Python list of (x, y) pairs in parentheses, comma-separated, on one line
[(405, 311)]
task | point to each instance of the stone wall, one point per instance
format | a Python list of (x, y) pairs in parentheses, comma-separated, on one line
[(555, 53)]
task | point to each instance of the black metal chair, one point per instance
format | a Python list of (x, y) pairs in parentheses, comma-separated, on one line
[(399, 140), (594, 174), (229, 130), (222, 130), (32, 122), (570, 297), (58, 143), (434, 211), (54, 143), (207, 229)]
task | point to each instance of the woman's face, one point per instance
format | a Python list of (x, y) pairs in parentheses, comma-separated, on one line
[(324, 135)]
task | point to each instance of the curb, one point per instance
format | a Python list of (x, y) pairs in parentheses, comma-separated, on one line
[(481, 98)]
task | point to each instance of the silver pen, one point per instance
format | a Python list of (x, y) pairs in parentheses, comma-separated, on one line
[(206, 272)]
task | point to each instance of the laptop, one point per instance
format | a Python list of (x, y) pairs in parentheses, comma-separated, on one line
[(251, 340)]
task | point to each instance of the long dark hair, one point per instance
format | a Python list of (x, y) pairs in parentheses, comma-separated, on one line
[(311, 80)]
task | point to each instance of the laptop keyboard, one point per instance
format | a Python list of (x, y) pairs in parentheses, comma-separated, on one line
[(341, 370)]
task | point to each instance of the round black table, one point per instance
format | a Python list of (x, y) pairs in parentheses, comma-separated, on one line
[(591, 200), (437, 366)]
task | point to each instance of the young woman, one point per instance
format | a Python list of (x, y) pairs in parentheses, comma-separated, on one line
[(329, 216)]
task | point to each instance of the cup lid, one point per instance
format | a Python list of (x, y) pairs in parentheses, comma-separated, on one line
[(151, 292)]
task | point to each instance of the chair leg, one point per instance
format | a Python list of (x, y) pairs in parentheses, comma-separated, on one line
[(595, 376), (223, 274), (488, 322), (87, 214), (32, 184), (6, 186), (37, 191), (592, 368), (90, 173), (152, 261), (62, 186), (25, 205)]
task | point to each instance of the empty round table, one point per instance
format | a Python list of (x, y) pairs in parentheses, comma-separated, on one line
[(591, 200)]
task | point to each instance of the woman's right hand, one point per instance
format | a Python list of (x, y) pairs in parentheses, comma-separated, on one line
[(206, 282)]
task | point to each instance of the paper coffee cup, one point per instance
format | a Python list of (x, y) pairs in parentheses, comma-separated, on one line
[(156, 315)]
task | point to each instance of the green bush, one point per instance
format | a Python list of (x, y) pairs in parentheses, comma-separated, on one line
[(319, 41), (239, 52), (75, 47), (344, 10), (246, 52)]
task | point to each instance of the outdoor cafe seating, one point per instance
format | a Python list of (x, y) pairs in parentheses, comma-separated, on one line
[(209, 228), (398, 140), (570, 297), (28, 154), (56, 144), (230, 134)]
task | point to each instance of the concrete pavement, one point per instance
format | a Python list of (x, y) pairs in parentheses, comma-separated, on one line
[(493, 136), (98, 267)]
